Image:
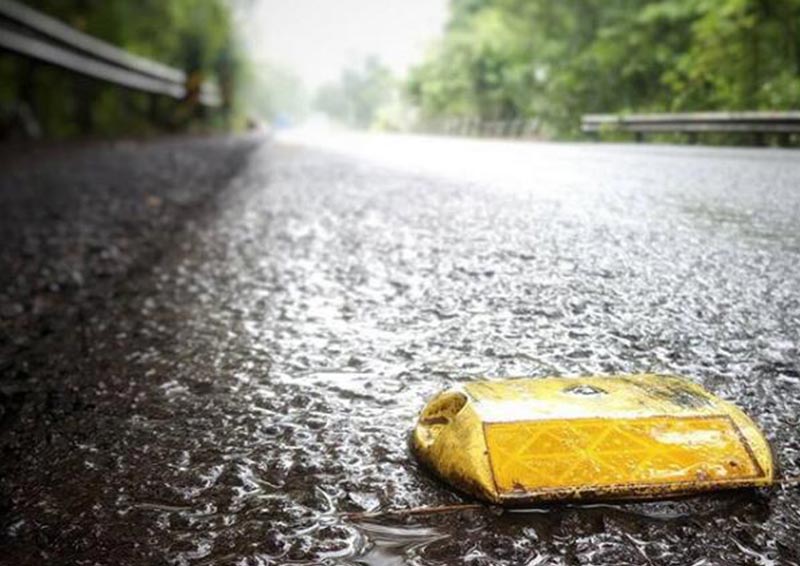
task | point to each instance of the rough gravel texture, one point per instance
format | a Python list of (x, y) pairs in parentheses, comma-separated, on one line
[(247, 369)]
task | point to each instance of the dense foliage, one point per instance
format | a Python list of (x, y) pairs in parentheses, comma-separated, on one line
[(502, 59), (193, 35)]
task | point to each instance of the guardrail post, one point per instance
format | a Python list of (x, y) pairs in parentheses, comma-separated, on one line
[(26, 71), (27, 111), (532, 128), (84, 97), (153, 109)]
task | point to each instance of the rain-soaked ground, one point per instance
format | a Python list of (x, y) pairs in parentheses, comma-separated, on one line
[(225, 395)]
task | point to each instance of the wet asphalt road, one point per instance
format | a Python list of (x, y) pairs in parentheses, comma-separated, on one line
[(223, 346)]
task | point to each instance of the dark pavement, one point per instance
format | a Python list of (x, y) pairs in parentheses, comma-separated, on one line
[(212, 348)]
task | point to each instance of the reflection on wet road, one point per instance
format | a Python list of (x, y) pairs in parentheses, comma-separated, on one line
[(262, 378)]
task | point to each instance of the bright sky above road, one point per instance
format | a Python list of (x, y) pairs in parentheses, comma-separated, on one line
[(318, 38)]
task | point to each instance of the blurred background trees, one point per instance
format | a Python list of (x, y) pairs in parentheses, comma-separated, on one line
[(496, 60), (502, 59), (361, 92), (272, 93)]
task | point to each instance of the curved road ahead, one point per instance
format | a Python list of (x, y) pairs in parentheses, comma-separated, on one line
[(212, 348)]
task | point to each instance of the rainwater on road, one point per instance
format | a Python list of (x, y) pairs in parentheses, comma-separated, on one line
[(254, 374)]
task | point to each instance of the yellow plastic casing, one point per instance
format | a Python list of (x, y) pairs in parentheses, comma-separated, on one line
[(520, 441)]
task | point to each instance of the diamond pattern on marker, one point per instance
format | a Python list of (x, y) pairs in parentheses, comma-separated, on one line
[(546, 455)]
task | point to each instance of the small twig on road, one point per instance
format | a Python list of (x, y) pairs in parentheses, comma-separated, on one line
[(414, 511), (457, 508)]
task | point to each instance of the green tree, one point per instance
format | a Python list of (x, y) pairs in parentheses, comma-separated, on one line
[(558, 60)]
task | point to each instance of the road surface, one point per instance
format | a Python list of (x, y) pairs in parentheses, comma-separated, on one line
[(213, 348)]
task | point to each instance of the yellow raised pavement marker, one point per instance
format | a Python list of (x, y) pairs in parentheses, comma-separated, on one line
[(519, 441)]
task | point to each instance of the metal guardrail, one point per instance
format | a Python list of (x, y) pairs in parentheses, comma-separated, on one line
[(32, 34), (694, 123), (476, 127)]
